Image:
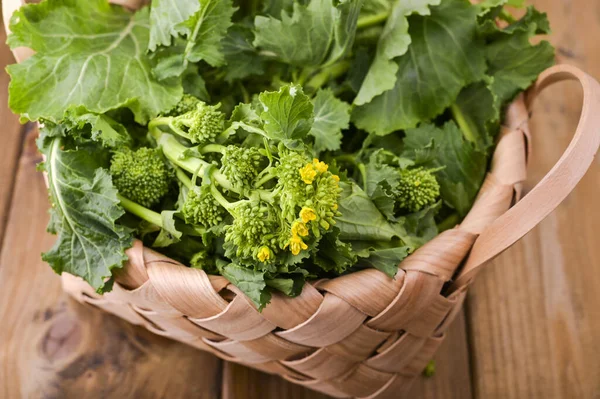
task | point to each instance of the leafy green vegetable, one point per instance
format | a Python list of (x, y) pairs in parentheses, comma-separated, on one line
[(444, 56), (464, 167), (326, 28), (513, 62), (99, 65), (198, 26), (393, 43), (85, 210), (287, 113), (251, 282), (315, 137), (332, 115), (242, 58), (361, 220)]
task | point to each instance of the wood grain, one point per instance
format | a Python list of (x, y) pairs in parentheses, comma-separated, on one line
[(534, 313), (53, 347), (9, 135)]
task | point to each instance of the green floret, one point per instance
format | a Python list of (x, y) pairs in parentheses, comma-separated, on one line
[(253, 230), (289, 179), (418, 188), (200, 125), (186, 104), (241, 165), (142, 175), (200, 207), (323, 197)]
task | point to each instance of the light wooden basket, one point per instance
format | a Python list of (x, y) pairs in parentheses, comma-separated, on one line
[(361, 335)]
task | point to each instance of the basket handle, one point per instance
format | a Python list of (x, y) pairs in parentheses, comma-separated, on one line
[(554, 187)]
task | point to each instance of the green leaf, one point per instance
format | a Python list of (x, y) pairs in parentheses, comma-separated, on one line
[(199, 38), (103, 128), (334, 255), (464, 166), (383, 258), (168, 234), (420, 227), (194, 84), (393, 43), (85, 209), (514, 62), (100, 65), (377, 172), (361, 220), (242, 58), (332, 115), (287, 113), (291, 286), (384, 200), (250, 282), (477, 113), (167, 18), (312, 35), (445, 55)]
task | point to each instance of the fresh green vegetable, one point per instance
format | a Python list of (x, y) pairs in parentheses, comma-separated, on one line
[(269, 141)]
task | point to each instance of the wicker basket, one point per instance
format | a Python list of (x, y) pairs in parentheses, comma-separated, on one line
[(361, 335)]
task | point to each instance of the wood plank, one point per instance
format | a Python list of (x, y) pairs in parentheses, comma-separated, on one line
[(241, 382), (51, 346), (10, 135), (534, 312), (452, 378)]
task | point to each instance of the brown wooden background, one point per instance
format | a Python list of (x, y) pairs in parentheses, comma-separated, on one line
[(530, 329)]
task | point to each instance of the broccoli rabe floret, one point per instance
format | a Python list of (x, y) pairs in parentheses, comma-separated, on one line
[(254, 230), (241, 165), (200, 207), (200, 125), (142, 175), (186, 104), (417, 189)]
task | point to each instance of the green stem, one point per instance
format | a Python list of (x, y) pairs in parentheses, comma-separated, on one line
[(328, 73), (348, 158), (462, 122), (264, 179), (245, 95), (140, 211), (174, 150), (267, 196), (371, 20), (183, 178), (168, 122), (212, 148), (221, 199), (449, 223), (363, 173)]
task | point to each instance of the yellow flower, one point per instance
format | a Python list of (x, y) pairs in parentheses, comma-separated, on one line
[(336, 178), (308, 214), (299, 229), (321, 167), (335, 207), (264, 254), (296, 245), (308, 173)]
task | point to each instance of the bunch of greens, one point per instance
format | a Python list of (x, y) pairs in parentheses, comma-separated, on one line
[(269, 141)]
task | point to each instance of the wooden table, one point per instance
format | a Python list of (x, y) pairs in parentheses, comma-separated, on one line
[(531, 325)]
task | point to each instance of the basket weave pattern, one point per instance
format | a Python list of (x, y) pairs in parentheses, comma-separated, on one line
[(358, 335)]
